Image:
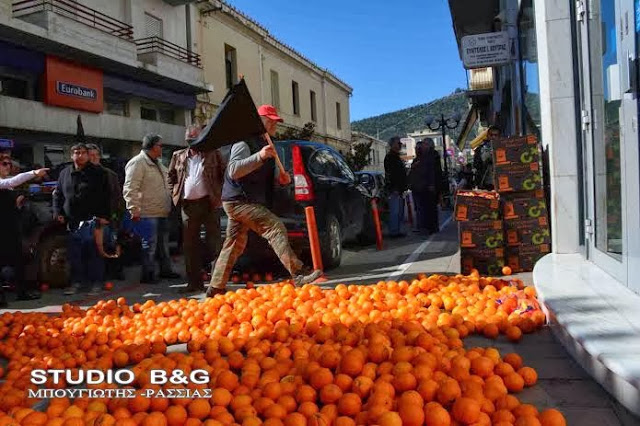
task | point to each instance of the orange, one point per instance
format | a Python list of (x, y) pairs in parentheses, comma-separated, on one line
[(466, 410), (552, 417)]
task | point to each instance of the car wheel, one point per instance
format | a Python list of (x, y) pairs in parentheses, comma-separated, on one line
[(331, 243), (53, 267)]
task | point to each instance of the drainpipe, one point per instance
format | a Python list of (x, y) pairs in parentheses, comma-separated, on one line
[(324, 102), (187, 16)]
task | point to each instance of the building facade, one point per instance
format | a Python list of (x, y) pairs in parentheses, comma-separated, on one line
[(377, 152), (233, 44), (573, 80), (125, 67)]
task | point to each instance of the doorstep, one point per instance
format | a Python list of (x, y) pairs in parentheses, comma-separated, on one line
[(597, 319)]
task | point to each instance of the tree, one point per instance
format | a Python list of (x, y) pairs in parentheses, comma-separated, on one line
[(358, 157), (291, 133)]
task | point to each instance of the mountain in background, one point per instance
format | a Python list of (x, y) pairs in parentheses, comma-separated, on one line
[(411, 119)]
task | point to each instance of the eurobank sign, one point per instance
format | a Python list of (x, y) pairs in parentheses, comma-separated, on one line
[(71, 85)]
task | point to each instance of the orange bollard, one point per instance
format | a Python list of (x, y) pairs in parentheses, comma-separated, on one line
[(376, 222), (409, 211), (314, 241)]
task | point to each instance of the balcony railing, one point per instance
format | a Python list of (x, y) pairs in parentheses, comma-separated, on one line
[(159, 45), (77, 12), (480, 79)]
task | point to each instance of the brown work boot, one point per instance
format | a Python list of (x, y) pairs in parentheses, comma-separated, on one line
[(213, 292)]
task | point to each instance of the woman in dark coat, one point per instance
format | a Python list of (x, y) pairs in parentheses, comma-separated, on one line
[(11, 245)]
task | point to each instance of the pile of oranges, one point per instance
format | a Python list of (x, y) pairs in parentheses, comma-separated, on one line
[(386, 354)]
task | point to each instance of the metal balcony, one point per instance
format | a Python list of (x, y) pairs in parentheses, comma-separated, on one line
[(155, 45), (30, 9)]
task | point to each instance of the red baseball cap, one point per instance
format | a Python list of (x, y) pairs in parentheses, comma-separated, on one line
[(270, 112)]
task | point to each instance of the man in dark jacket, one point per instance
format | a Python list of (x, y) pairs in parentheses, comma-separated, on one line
[(433, 185), (396, 178), (82, 194), (248, 181)]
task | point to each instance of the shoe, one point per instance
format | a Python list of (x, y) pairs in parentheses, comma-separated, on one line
[(307, 278), (29, 295), (74, 289), (170, 275), (95, 290), (213, 292)]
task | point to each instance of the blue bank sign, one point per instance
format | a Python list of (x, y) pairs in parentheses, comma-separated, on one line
[(69, 89)]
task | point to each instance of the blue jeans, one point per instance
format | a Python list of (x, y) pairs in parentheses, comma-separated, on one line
[(155, 243), (396, 212), (87, 266)]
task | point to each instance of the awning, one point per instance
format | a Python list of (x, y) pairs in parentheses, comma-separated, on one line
[(479, 139), (137, 88), (469, 122)]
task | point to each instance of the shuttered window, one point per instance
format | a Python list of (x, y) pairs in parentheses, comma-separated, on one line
[(152, 26)]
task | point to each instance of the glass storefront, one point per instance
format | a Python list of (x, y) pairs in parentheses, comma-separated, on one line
[(606, 97), (531, 121)]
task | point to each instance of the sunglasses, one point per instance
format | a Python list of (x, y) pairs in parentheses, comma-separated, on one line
[(5, 163)]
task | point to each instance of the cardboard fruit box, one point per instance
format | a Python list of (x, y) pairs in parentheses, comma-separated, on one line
[(486, 261), (481, 234), (524, 205), (477, 205), (527, 232), (517, 177), (523, 258), (521, 150)]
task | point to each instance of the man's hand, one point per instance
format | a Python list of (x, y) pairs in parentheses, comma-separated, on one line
[(60, 219), (20, 201), (135, 216), (267, 152), (40, 172), (284, 179)]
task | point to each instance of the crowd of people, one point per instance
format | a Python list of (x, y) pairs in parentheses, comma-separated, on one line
[(424, 179), (94, 207)]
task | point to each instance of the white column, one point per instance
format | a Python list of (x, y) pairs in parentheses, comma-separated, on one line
[(557, 108)]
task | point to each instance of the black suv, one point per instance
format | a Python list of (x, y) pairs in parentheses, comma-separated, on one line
[(322, 179)]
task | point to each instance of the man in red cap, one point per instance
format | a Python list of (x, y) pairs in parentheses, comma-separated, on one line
[(248, 184), (195, 180)]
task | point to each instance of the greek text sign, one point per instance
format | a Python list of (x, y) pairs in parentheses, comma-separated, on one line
[(485, 50)]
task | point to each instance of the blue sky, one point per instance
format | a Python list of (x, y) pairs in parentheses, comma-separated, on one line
[(394, 54)]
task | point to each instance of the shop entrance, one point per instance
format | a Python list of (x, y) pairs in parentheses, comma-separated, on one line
[(609, 87)]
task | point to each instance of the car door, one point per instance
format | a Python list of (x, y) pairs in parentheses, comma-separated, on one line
[(357, 196), (329, 187)]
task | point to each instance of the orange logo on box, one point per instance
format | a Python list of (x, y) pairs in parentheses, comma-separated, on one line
[(503, 182), (461, 213), (512, 236), (467, 239), (501, 156), (514, 263), (544, 248), (542, 220), (535, 167), (509, 212), (73, 86), (494, 204)]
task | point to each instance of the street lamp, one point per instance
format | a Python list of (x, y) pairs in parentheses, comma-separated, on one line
[(436, 123)]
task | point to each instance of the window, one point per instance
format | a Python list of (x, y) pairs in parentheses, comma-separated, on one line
[(152, 26), (295, 98), (324, 164), (345, 170), (230, 65), (147, 113), (607, 99), (312, 98), (166, 115), (115, 103), (338, 116), (275, 90), (14, 87)]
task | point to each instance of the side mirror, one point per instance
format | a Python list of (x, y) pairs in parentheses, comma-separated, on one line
[(364, 179)]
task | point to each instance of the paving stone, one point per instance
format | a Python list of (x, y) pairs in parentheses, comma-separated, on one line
[(594, 417), (535, 395), (557, 368), (575, 393)]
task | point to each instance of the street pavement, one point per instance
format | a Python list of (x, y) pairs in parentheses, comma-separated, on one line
[(562, 383)]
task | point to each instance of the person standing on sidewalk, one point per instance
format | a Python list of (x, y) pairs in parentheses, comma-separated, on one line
[(433, 183), (418, 186), (396, 178), (195, 181), (82, 196), (11, 248), (148, 200), (247, 182), (113, 265)]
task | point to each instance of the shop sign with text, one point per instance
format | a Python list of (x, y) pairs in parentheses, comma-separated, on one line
[(485, 50), (73, 86)]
